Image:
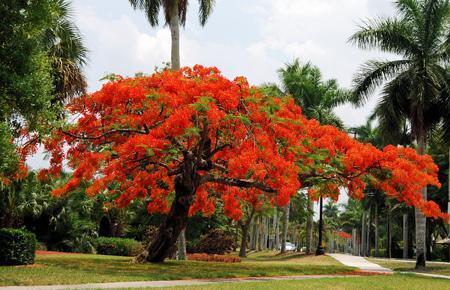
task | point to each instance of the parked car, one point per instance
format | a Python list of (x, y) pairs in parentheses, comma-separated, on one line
[(289, 247)]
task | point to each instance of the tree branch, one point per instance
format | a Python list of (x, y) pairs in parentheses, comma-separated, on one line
[(244, 183)]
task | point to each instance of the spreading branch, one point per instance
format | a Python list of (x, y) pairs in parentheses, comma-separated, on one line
[(243, 183)]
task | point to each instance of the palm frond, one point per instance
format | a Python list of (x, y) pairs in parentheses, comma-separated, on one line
[(205, 10), (389, 35), (436, 24), (150, 7), (373, 74)]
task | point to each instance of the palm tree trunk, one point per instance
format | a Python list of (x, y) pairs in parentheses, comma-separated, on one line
[(309, 226), (377, 237), (274, 229), (405, 236), (174, 25), (421, 247), (363, 234), (285, 228), (320, 249), (257, 234), (389, 234), (368, 233)]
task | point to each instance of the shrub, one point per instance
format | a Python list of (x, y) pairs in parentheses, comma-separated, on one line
[(213, 258), (118, 246), (216, 241), (17, 247)]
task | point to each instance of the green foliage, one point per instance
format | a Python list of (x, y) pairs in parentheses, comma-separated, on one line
[(9, 160), (118, 246), (17, 247), (25, 71), (216, 241)]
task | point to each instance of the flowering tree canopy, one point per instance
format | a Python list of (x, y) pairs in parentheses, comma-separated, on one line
[(184, 138)]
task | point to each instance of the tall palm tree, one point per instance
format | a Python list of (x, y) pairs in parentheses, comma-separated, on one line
[(416, 85), (174, 15), (316, 96)]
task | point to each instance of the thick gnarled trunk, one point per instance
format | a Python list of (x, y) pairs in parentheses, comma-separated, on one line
[(173, 224)]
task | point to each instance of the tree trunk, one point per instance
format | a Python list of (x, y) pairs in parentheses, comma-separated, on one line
[(309, 226), (277, 229), (368, 233), (257, 234), (245, 228), (363, 234), (174, 25), (285, 228), (389, 234), (174, 223), (274, 229), (420, 218), (243, 249), (320, 249), (405, 236), (182, 245), (377, 235)]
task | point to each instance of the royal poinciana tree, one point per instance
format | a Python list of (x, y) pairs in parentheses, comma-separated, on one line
[(183, 139)]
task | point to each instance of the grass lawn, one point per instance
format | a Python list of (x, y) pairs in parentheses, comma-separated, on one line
[(80, 268), (408, 266), (393, 282)]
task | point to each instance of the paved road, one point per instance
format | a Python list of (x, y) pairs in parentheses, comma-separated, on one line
[(359, 262)]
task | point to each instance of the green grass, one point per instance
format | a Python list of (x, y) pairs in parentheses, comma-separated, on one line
[(79, 268), (393, 282), (431, 268)]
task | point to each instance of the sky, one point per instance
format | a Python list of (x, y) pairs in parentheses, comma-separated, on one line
[(251, 38)]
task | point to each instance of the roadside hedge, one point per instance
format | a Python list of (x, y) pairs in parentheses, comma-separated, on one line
[(17, 247)]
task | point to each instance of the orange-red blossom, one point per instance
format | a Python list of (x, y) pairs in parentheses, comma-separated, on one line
[(131, 137)]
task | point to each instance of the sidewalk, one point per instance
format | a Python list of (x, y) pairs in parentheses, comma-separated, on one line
[(171, 283), (360, 262)]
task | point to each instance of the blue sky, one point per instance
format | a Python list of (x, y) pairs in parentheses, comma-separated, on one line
[(252, 38)]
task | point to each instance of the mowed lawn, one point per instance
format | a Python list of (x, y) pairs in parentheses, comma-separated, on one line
[(81, 268), (408, 266), (393, 282)]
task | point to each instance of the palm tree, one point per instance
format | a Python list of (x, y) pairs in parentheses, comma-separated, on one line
[(67, 54), (175, 15), (316, 96), (416, 86)]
